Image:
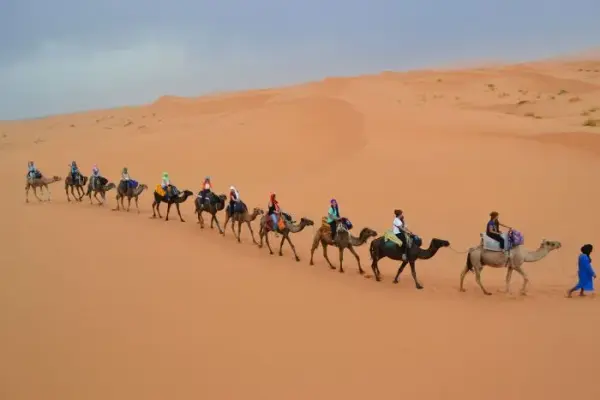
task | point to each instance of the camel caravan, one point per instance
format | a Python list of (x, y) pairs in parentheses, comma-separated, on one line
[(496, 249)]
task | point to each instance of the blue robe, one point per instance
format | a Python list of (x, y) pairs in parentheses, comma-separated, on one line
[(586, 274)]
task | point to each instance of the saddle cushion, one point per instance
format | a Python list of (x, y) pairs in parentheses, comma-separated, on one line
[(492, 245), (389, 236), (239, 207), (133, 184), (160, 191)]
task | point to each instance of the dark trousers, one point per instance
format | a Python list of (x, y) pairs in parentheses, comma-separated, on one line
[(497, 238), (231, 207), (402, 238), (203, 194), (333, 226)]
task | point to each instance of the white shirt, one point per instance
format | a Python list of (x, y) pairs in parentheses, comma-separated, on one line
[(397, 225)]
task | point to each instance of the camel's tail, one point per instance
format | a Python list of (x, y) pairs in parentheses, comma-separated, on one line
[(372, 249)]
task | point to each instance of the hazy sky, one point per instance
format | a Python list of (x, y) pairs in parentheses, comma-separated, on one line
[(70, 55)]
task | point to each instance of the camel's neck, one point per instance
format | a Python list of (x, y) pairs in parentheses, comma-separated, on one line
[(251, 217), (360, 240), (296, 228), (425, 254), (533, 256)]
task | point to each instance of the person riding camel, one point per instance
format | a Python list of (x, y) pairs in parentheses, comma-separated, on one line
[(125, 177), (32, 171), (234, 198), (493, 229), (333, 216), (206, 189), (400, 230), (274, 210), (75, 174), (95, 175), (166, 184)]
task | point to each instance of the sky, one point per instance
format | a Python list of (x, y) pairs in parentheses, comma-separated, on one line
[(65, 56)]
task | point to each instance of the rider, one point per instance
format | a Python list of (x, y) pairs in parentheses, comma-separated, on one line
[(125, 177), (400, 230), (32, 171), (234, 197), (274, 210), (206, 189), (95, 173), (333, 216), (166, 182), (74, 171), (493, 229)]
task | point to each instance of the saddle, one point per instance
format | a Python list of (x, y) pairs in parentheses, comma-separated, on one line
[(34, 175), (511, 238), (391, 237), (98, 182), (239, 207), (160, 191)]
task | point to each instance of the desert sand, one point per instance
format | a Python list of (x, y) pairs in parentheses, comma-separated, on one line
[(98, 304)]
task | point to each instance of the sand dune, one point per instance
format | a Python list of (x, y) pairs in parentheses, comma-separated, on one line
[(104, 305)]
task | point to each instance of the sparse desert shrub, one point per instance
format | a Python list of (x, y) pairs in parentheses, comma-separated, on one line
[(530, 114), (491, 86), (561, 92), (585, 113), (520, 103), (591, 122), (574, 99)]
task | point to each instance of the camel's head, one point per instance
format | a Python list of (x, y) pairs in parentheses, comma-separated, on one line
[(439, 243), (368, 232), (56, 178), (222, 198), (187, 193), (550, 244), (258, 211), (306, 221)]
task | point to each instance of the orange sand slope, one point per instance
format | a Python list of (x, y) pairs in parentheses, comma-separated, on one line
[(106, 305)]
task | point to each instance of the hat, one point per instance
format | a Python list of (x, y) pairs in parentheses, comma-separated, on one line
[(494, 214), (333, 201), (231, 187), (165, 174), (124, 169)]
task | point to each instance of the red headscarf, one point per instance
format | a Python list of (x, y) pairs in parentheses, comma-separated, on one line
[(274, 202)]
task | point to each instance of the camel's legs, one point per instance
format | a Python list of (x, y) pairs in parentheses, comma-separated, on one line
[(27, 193), (239, 233), (520, 271), (266, 233), (49, 192), (315, 244), (341, 249), (281, 245), (157, 205), (291, 245), (351, 248), (80, 190), (168, 210), (35, 194), (462, 278), (374, 266), (251, 231), (233, 230), (179, 212), (67, 192), (214, 218), (477, 268), (509, 271), (227, 218), (413, 271), (128, 202), (118, 198), (400, 269), (200, 219), (324, 244), (137, 206)]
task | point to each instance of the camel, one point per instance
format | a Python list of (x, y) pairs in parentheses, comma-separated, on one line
[(343, 240), (159, 197), (242, 217), (288, 227), (124, 190), (480, 256), (389, 246), (99, 185), (213, 203), (41, 183), (79, 184)]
